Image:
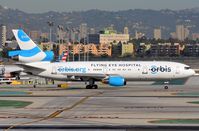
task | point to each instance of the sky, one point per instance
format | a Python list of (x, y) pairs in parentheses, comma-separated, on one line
[(40, 6)]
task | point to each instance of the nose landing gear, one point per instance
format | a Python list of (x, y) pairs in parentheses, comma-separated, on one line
[(166, 87), (91, 84)]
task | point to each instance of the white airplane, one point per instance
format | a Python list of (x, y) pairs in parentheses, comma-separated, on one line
[(113, 73)]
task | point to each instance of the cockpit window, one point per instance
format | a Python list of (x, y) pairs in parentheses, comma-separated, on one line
[(187, 68)]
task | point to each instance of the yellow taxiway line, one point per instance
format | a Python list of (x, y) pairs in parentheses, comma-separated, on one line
[(56, 113)]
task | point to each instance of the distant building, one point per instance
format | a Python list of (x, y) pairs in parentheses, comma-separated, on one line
[(107, 37), (191, 50), (46, 46), (62, 49), (165, 49), (139, 35), (83, 31), (126, 30), (78, 48), (34, 35), (195, 36), (181, 32), (74, 36), (105, 50), (157, 34), (116, 49), (12, 44), (92, 31), (127, 49), (94, 38), (3, 35), (44, 35), (141, 49), (92, 49), (173, 35), (96, 50)]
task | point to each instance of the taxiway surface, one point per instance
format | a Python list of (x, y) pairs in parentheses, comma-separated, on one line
[(134, 105)]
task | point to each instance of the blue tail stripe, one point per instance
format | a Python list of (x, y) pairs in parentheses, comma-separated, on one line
[(49, 56), (24, 53), (29, 53)]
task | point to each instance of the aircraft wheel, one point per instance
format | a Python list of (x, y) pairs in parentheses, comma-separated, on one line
[(17, 77), (88, 87), (166, 87), (8, 83), (95, 86)]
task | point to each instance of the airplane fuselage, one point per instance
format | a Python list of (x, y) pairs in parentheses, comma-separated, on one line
[(136, 70)]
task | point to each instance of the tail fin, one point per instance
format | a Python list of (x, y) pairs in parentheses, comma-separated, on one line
[(29, 52), (64, 56), (24, 41)]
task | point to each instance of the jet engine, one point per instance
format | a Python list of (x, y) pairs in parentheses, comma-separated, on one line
[(115, 81)]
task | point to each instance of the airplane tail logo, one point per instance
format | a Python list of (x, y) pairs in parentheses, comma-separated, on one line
[(23, 36), (29, 52)]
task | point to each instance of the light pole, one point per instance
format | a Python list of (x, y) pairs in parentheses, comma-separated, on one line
[(50, 24), (88, 49)]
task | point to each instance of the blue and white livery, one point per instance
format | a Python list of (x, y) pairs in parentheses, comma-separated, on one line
[(29, 52), (114, 73)]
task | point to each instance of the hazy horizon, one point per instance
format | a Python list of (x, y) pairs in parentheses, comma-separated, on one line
[(36, 6)]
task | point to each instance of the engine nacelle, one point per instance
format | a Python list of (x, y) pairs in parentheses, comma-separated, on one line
[(116, 81)]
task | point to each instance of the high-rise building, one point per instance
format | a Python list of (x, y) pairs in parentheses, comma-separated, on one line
[(3, 35), (139, 35), (126, 30), (92, 31), (74, 35), (157, 33), (83, 31), (181, 32)]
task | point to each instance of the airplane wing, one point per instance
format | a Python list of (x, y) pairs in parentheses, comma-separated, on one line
[(98, 76), (28, 67), (12, 69), (90, 75)]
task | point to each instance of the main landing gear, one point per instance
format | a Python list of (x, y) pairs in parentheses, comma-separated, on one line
[(91, 84), (166, 87)]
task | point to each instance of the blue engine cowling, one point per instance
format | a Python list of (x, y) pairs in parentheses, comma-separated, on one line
[(116, 81)]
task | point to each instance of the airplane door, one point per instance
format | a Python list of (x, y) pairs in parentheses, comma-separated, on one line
[(145, 70), (54, 70), (177, 70)]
